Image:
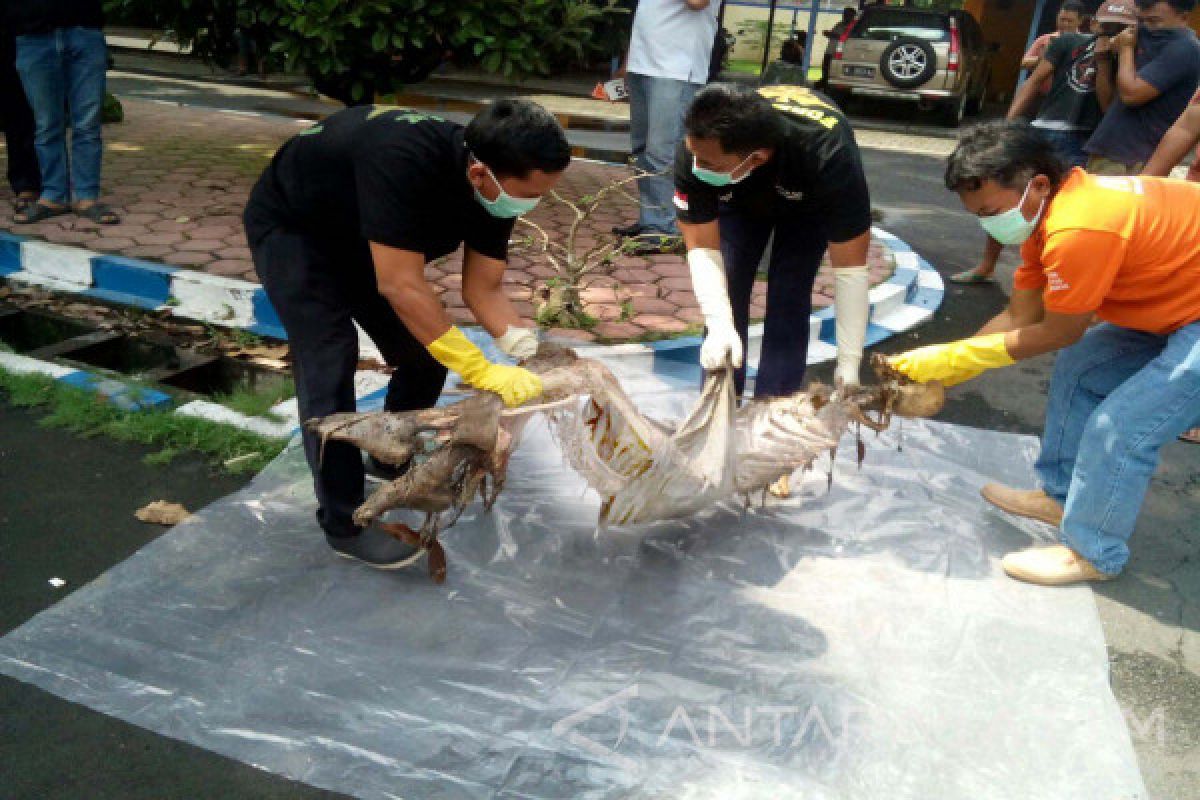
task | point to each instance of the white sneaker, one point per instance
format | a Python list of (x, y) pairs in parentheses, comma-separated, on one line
[(1056, 565)]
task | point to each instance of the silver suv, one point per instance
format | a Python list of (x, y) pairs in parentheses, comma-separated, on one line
[(937, 59)]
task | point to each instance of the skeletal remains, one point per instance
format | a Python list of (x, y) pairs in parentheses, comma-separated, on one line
[(645, 470)]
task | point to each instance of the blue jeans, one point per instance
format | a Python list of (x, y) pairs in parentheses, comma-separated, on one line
[(1069, 145), (656, 109), (1116, 397), (63, 74)]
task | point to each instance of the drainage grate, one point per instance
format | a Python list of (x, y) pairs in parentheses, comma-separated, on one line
[(224, 376), (25, 332), (126, 355), (186, 373)]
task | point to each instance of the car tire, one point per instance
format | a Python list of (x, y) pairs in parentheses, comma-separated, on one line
[(908, 62)]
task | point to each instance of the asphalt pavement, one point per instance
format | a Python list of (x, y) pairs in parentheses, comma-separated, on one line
[(66, 509)]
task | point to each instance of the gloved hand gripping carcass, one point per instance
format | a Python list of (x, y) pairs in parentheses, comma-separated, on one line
[(643, 469)]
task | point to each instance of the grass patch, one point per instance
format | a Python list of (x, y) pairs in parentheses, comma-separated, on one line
[(746, 66), (88, 414), (258, 403)]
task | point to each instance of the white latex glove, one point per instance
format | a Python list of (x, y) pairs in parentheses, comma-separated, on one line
[(722, 345), (520, 343), (853, 308)]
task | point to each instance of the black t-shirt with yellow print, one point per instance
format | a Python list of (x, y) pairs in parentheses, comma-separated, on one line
[(381, 174), (816, 172)]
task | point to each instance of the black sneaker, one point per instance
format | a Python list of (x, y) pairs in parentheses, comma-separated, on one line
[(375, 548), (653, 244), (628, 230)]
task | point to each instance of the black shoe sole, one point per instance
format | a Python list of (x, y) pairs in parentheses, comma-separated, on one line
[(408, 562)]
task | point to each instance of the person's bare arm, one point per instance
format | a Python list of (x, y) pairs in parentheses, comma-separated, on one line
[(1132, 90), (705, 234), (852, 252), (1026, 93), (1054, 332), (1024, 309), (483, 292), (400, 277), (1176, 142), (697, 5), (1031, 58)]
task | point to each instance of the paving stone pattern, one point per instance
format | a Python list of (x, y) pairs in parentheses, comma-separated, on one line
[(179, 176)]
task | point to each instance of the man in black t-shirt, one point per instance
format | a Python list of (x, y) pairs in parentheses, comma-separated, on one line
[(342, 224), (778, 162)]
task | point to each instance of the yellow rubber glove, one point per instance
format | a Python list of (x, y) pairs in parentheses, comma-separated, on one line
[(454, 351), (954, 362)]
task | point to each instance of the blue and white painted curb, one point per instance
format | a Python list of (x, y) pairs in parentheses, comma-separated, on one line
[(909, 298), (185, 293)]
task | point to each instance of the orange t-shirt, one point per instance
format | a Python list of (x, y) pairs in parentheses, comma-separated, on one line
[(1127, 249)]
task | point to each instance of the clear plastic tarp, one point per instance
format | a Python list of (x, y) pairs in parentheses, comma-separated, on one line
[(856, 642)]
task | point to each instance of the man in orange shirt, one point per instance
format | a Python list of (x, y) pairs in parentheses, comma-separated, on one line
[(1125, 250)]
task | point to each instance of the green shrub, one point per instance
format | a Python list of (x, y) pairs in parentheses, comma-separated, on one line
[(354, 49)]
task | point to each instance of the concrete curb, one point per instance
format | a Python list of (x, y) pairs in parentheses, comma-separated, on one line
[(907, 299), (144, 284)]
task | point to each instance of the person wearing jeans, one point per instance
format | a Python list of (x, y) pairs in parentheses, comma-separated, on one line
[(656, 107), (1125, 251), (1115, 398), (24, 176), (669, 54), (62, 58)]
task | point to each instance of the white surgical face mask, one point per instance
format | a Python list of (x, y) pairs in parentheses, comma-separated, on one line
[(714, 178), (505, 205), (1011, 227)]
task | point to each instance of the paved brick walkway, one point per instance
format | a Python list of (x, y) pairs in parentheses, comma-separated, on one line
[(180, 176)]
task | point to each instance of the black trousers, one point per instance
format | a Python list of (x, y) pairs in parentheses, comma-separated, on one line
[(319, 290), (796, 253), (23, 172)]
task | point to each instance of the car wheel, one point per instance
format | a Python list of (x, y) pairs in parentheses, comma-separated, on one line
[(955, 110), (908, 62)]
